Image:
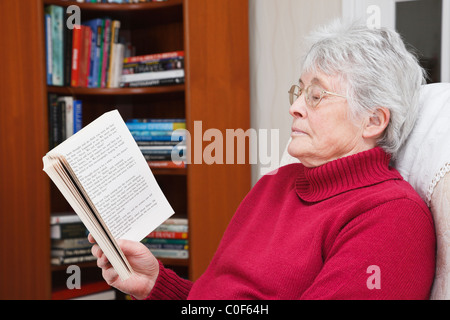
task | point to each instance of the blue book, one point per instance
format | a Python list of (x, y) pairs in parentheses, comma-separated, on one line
[(48, 48), (145, 126), (77, 116), (174, 137), (57, 19), (96, 27)]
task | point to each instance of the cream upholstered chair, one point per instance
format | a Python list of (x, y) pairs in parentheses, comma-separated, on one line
[(424, 161)]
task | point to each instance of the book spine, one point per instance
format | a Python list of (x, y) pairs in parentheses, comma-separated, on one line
[(67, 218), (159, 138), (119, 49), (167, 246), (175, 254), (106, 48), (76, 45), (151, 83), (53, 120), (96, 28), (168, 235), (48, 47), (71, 260), (69, 116), (166, 164), (156, 125), (85, 56), (113, 52), (157, 157), (76, 243), (62, 120), (157, 56), (100, 60), (168, 74), (68, 231), (154, 241), (68, 36), (68, 113), (91, 24), (172, 227), (157, 143), (70, 252), (77, 116), (176, 221), (57, 15), (154, 66)]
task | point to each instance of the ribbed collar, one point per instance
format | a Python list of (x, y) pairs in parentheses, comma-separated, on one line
[(356, 171)]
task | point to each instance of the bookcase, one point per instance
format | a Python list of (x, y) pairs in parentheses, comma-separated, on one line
[(214, 37)]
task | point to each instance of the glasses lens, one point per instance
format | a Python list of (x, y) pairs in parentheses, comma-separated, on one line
[(294, 93), (313, 95)]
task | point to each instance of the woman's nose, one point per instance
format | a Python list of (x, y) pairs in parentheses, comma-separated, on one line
[(298, 108)]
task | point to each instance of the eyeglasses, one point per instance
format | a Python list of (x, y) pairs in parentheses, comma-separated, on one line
[(313, 95)]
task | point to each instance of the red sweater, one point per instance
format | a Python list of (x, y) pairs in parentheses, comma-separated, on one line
[(350, 229)]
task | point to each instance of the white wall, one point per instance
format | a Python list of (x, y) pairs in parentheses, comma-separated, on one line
[(277, 28)]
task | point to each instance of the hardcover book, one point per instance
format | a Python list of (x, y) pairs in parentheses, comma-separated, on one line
[(103, 175)]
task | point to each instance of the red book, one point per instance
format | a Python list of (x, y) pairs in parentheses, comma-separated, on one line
[(85, 289), (85, 56), (156, 56), (76, 46), (166, 164), (168, 235)]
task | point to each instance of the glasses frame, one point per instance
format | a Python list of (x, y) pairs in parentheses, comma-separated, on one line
[(323, 93)]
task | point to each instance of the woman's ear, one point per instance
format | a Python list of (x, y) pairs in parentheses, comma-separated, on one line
[(377, 123)]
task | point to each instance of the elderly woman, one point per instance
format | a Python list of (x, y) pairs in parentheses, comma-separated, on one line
[(341, 224)]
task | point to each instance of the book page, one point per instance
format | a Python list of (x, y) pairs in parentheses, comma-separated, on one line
[(113, 172)]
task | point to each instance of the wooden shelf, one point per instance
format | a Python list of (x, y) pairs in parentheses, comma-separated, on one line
[(111, 7), (116, 91), (214, 36)]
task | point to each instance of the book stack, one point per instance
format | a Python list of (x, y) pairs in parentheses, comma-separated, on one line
[(87, 55), (69, 243), (169, 240), (65, 118), (161, 141), (153, 70)]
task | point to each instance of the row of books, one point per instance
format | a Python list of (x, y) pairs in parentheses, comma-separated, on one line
[(161, 141), (65, 118), (69, 243), (87, 55), (92, 55), (165, 68), (169, 240)]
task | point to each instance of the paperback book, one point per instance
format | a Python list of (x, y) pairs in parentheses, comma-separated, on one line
[(105, 178)]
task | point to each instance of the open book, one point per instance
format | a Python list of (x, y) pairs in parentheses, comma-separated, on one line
[(103, 175)]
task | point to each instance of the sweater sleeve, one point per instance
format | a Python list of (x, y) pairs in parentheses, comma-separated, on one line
[(169, 286), (385, 253)]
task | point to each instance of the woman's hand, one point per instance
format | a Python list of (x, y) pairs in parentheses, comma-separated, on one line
[(144, 264)]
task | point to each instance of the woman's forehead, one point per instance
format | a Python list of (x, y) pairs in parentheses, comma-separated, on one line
[(317, 78)]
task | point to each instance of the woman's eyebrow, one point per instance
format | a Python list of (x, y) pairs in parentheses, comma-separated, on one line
[(317, 81)]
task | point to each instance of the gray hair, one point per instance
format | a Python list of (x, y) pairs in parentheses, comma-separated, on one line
[(378, 71)]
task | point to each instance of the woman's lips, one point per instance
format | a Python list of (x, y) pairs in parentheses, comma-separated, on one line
[(298, 132)]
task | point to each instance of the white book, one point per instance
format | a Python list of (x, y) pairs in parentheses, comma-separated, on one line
[(68, 103), (153, 75), (105, 178)]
